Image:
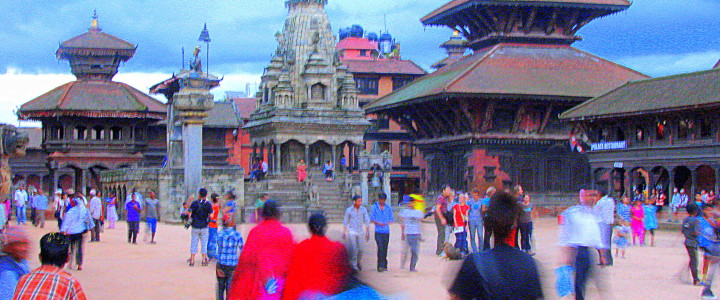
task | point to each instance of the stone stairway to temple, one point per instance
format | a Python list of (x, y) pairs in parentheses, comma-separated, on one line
[(295, 197)]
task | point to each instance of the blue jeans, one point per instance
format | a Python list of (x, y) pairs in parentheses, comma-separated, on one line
[(461, 241), (413, 244), (212, 242), (476, 234), (20, 214)]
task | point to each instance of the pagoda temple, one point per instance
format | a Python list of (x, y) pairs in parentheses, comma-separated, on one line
[(93, 123), (491, 118), (308, 102)]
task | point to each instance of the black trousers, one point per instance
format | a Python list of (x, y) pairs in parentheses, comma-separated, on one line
[(525, 231), (692, 253), (95, 232), (223, 283), (382, 240), (76, 246), (583, 271), (133, 229)]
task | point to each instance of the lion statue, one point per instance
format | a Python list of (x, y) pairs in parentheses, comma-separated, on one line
[(13, 144)]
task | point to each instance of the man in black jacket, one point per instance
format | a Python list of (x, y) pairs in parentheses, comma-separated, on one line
[(199, 215)]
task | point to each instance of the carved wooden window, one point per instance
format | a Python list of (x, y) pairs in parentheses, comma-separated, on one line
[(80, 132), (317, 92), (367, 85), (116, 133), (385, 146), (554, 175), (705, 127), (399, 82), (685, 128), (98, 133), (57, 133), (619, 134), (660, 130)]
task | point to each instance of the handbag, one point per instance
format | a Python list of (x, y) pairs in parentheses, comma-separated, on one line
[(89, 223)]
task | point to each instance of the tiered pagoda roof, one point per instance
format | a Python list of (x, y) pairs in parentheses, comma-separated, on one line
[(384, 66), (517, 70), (94, 58), (485, 22)]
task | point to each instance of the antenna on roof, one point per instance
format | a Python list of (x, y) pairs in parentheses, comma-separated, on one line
[(385, 21), (182, 49)]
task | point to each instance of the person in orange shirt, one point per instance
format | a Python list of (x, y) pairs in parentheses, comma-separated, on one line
[(213, 226)]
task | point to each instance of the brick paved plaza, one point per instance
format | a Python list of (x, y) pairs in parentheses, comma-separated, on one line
[(114, 269)]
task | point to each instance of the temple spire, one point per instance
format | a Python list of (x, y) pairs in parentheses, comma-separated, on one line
[(94, 23)]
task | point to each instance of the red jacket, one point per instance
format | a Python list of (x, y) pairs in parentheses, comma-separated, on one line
[(318, 265), (263, 264)]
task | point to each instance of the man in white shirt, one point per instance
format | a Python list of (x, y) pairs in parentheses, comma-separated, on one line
[(605, 213), (580, 231), (96, 212), (21, 197)]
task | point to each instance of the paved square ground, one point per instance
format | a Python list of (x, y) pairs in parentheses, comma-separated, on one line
[(114, 269)]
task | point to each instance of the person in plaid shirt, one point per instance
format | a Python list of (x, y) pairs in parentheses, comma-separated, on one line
[(49, 281), (229, 246)]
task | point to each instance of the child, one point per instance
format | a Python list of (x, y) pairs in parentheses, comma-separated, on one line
[(622, 231), (650, 221), (460, 220), (690, 231), (623, 209), (637, 222), (230, 244)]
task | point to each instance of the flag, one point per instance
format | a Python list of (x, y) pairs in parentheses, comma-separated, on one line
[(419, 202), (204, 35)]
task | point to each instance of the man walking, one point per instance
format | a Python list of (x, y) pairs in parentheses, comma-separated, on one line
[(152, 216), (411, 233), (20, 198), (441, 221), (579, 231), (199, 214), (49, 281), (356, 224), (41, 203), (605, 212), (133, 209), (230, 244), (381, 215), (96, 212)]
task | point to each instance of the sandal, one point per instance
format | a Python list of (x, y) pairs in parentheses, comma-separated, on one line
[(205, 262), (192, 263)]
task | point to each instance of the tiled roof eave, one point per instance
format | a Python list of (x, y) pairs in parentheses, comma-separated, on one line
[(38, 115), (446, 95), (630, 114)]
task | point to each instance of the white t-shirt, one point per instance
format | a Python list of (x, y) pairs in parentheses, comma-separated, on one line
[(21, 197)]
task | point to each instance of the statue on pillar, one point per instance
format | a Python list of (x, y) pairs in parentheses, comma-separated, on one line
[(196, 63), (12, 144)]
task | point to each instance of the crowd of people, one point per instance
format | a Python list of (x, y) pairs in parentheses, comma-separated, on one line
[(269, 264)]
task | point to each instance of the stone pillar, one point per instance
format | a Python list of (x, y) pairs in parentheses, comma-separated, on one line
[(192, 103), (386, 185), (307, 154), (278, 159), (364, 186), (334, 158)]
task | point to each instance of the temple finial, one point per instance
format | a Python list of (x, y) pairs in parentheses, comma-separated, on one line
[(94, 24)]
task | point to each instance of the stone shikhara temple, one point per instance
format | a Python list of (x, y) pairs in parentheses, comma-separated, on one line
[(491, 118), (308, 103)]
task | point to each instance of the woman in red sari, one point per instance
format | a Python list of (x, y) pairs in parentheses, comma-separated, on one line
[(319, 266), (301, 171), (263, 265)]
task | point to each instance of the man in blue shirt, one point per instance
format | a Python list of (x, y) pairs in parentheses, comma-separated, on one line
[(40, 202), (381, 215)]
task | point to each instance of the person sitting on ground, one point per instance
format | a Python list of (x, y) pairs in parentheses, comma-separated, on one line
[(13, 260), (49, 281), (319, 266), (503, 272)]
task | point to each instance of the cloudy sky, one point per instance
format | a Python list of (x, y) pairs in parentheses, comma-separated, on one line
[(656, 37)]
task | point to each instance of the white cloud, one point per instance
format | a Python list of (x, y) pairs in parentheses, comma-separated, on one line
[(668, 64), (20, 87)]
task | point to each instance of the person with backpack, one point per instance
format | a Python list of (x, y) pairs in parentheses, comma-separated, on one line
[(199, 215)]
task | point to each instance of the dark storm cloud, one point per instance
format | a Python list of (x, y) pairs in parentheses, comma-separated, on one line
[(242, 31)]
